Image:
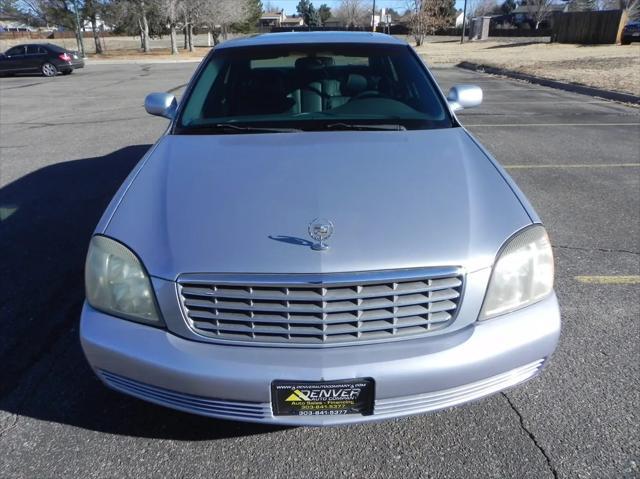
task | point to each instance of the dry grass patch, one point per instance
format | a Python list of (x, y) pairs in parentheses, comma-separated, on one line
[(612, 67)]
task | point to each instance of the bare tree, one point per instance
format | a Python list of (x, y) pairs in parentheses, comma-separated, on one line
[(270, 6), (538, 10), (483, 7), (428, 16), (92, 10), (191, 11), (354, 13), (171, 8), (143, 24), (218, 15)]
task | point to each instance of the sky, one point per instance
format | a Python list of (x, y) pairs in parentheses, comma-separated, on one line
[(399, 5)]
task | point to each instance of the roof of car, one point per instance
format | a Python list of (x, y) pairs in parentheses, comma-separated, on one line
[(38, 44), (293, 38)]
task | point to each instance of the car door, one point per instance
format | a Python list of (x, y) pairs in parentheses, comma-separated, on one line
[(13, 59), (34, 57)]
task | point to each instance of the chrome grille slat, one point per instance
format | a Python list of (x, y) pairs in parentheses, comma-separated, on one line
[(371, 315), (336, 294), (319, 306), (317, 310)]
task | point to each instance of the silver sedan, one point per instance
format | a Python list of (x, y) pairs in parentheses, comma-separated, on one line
[(317, 240)]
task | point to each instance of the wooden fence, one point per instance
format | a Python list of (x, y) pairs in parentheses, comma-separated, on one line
[(519, 32), (588, 28)]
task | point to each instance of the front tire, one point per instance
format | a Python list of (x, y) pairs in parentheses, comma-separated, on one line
[(49, 69)]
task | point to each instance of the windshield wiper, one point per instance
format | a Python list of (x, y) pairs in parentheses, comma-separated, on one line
[(257, 129), (355, 126), (231, 128)]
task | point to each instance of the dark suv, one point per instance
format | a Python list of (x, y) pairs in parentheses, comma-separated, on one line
[(45, 58)]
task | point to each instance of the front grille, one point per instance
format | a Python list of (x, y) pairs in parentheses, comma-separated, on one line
[(323, 309)]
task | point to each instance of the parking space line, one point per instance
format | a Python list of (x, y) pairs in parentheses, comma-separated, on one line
[(584, 165), (633, 279)]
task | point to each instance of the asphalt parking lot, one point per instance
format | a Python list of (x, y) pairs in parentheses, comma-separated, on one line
[(67, 143)]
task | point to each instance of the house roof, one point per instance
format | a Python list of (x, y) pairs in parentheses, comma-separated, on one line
[(292, 38), (271, 15)]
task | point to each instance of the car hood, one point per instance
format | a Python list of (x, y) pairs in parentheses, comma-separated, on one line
[(243, 203)]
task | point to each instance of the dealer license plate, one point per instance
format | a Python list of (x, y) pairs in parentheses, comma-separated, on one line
[(322, 398)]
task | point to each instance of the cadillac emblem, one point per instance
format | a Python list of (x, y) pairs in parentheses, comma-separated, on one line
[(320, 230)]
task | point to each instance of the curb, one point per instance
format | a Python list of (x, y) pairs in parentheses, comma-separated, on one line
[(140, 61), (571, 87)]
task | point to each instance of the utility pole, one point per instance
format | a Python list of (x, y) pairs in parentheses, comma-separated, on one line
[(464, 21), (373, 17), (78, 30)]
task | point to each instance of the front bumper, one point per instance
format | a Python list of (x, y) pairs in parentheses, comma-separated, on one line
[(234, 382)]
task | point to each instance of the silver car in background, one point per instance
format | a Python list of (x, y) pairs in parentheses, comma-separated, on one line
[(317, 240)]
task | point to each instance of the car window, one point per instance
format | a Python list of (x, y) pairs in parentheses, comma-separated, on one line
[(19, 50), (33, 50), (55, 48), (310, 87)]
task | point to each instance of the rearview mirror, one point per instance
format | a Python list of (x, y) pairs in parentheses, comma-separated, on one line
[(464, 96), (161, 104)]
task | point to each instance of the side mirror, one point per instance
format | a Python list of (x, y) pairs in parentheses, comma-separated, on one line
[(161, 104), (464, 96)]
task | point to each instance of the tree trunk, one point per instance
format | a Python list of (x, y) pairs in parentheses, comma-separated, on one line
[(186, 35), (141, 34), (174, 39), (145, 28), (209, 39), (191, 37), (96, 36)]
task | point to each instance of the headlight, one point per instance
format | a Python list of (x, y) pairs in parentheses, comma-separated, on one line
[(522, 273), (117, 283)]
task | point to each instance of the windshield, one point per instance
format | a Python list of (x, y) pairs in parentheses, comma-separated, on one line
[(288, 88)]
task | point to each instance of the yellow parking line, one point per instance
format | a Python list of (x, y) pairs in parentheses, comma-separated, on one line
[(597, 165), (608, 279)]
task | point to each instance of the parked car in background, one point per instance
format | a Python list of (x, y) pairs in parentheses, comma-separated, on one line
[(45, 58), (631, 32), (317, 240)]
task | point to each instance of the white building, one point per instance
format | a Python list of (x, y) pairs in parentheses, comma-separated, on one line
[(101, 25), (460, 19)]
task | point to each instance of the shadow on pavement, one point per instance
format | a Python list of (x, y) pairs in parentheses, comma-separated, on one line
[(46, 220), (516, 44)]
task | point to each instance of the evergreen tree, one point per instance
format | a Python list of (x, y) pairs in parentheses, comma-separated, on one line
[(308, 13), (324, 13), (252, 13), (507, 7)]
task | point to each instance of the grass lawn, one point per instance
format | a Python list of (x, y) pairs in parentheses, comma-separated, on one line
[(613, 67)]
